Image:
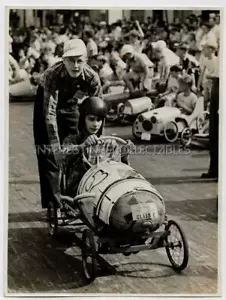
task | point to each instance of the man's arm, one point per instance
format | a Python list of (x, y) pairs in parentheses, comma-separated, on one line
[(145, 70), (50, 105)]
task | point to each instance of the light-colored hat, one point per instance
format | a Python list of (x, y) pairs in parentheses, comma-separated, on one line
[(159, 45), (126, 49), (74, 47)]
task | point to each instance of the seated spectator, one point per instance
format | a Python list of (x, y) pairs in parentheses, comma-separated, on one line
[(141, 69), (62, 37), (192, 46), (23, 61), (90, 44), (186, 99), (167, 98), (174, 37), (188, 62), (184, 33), (105, 71)]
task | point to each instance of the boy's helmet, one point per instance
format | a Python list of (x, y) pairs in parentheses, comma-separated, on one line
[(93, 106)]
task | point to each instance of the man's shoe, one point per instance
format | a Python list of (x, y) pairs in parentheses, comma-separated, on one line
[(209, 175)]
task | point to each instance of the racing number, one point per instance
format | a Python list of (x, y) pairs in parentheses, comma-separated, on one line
[(96, 178)]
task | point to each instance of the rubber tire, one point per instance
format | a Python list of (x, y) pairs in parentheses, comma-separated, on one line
[(90, 276), (184, 263), (198, 118), (52, 226), (182, 140), (168, 140)]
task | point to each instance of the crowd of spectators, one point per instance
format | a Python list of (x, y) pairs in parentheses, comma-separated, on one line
[(32, 50)]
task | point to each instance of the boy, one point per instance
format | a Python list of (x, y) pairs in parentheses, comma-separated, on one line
[(141, 69), (186, 99), (167, 98)]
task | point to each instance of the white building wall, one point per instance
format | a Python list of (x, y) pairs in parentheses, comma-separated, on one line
[(114, 15)]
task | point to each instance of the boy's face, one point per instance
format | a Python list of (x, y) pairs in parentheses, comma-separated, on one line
[(93, 124), (184, 87), (175, 74), (75, 64)]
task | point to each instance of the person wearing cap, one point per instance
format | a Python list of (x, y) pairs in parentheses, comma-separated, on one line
[(208, 67), (139, 69), (186, 99), (61, 88), (167, 59)]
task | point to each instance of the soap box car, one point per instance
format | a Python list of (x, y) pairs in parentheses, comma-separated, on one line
[(124, 108), (167, 122), (122, 212)]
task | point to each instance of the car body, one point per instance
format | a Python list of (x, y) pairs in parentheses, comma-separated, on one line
[(165, 121)]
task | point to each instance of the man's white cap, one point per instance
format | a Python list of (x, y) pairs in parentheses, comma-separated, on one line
[(126, 49), (74, 47), (159, 45)]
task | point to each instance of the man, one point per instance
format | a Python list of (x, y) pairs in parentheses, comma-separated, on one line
[(141, 66), (167, 59), (215, 29), (208, 67), (214, 124), (56, 113), (188, 62)]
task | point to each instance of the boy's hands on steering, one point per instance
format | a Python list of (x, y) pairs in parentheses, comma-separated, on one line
[(91, 140)]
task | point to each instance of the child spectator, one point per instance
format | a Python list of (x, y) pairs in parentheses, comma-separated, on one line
[(186, 99), (167, 98)]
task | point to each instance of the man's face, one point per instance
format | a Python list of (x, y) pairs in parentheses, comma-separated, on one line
[(207, 51), (211, 22), (75, 64), (133, 39), (217, 20), (181, 53)]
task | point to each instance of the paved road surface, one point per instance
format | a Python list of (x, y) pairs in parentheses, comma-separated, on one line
[(40, 264)]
